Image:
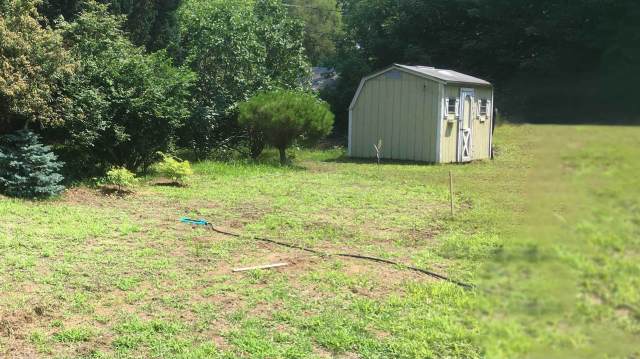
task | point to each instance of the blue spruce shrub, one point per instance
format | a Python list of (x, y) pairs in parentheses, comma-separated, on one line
[(28, 168)]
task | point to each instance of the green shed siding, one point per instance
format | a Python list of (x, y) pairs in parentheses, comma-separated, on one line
[(481, 132), (402, 111), (449, 131)]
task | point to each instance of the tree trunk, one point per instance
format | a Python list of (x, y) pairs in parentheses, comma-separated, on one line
[(283, 156), (256, 147), (196, 153), (256, 142)]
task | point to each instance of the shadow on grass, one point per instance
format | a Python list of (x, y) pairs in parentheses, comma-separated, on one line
[(272, 159), (372, 161), (169, 184), (115, 192)]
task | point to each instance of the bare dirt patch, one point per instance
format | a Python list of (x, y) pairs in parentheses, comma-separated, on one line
[(12, 323), (15, 327), (420, 237)]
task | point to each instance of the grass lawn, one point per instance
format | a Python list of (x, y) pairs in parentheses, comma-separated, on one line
[(549, 232)]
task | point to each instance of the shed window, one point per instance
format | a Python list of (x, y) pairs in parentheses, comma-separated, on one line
[(483, 107), (395, 75), (451, 105)]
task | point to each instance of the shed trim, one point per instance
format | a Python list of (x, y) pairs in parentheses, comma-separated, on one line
[(491, 127), (350, 133), (458, 83), (439, 122), (448, 76)]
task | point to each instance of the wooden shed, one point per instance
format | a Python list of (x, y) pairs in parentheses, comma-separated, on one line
[(421, 113)]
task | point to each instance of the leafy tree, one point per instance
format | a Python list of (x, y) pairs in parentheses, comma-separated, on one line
[(52, 9), (150, 23), (32, 65), (322, 27), (126, 105), (237, 48), (27, 168), (283, 117)]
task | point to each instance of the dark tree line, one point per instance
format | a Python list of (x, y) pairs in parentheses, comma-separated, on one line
[(550, 60)]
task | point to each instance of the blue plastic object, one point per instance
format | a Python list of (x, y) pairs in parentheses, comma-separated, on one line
[(197, 222)]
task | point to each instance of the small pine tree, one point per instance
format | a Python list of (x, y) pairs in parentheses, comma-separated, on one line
[(28, 169)]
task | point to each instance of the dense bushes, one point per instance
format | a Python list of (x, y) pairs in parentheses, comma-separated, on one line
[(103, 102), (283, 117), (27, 168), (125, 104)]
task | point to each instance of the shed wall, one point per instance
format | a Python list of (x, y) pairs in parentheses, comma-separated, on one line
[(481, 133), (400, 109)]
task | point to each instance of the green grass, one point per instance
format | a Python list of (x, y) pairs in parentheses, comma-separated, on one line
[(566, 284), (548, 232)]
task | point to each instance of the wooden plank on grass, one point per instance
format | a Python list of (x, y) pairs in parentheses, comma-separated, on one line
[(265, 266)]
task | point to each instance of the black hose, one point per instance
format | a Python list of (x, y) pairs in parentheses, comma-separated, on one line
[(348, 255)]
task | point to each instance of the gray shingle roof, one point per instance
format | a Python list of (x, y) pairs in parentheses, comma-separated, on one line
[(444, 75)]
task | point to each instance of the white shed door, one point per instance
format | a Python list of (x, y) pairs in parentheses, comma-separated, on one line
[(465, 125)]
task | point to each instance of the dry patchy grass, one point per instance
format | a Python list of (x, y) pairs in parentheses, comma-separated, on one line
[(95, 275)]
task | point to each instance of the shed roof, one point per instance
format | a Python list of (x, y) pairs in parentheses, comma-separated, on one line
[(444, 75), (439, 75)]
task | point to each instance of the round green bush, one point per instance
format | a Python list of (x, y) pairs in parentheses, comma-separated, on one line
[(282, 117)]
